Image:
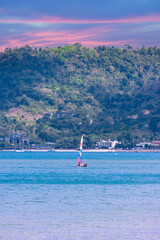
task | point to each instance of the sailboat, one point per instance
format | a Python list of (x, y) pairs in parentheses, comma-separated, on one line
[(80, 162)]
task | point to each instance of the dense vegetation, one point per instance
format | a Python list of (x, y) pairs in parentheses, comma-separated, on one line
[(55, 95)]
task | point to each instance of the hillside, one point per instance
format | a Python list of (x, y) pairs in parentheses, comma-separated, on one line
[(55, 95)]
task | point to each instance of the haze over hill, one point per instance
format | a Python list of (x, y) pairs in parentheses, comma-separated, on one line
[(57, 94)]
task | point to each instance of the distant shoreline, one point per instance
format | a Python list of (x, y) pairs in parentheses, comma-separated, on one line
[(85, 150)]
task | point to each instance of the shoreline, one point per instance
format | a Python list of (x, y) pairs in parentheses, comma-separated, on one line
[(85, 150)]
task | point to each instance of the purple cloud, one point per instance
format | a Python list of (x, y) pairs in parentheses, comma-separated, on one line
[(52, 22)]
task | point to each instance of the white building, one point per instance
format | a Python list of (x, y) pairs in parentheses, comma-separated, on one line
[(155, 143), (107, 144), (143, 144)]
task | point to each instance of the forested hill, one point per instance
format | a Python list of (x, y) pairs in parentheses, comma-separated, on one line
[(57, 94)]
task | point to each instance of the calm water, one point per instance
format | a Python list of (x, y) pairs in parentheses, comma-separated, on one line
[(44, 197)]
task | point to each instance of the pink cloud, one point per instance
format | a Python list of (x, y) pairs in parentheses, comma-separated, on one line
[(88, 37), (58, 20), (54, 38), (48, 42), (141, 19), (70, 34)]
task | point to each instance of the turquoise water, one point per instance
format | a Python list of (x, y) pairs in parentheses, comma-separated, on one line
[(43, 196)]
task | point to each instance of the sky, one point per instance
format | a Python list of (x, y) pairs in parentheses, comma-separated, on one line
[(51, 23)]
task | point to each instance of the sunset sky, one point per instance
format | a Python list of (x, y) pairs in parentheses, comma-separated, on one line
[(49, 23)]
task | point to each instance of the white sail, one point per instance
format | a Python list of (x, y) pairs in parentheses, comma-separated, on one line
[(80, 154), (81, 145), (80, 151)]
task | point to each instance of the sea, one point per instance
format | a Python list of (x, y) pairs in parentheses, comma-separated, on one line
[(45, 196)]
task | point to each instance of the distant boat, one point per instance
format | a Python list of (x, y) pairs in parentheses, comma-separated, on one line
[(20, 150), (80, 162)]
